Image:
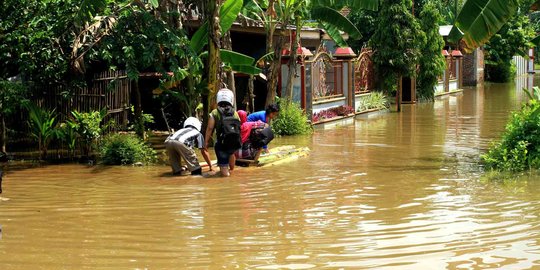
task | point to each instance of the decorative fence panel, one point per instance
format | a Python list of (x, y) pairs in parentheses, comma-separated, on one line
[(364, 75), (326, 77)]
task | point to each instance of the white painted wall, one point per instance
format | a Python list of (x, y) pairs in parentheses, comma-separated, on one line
[(439, 88), (325, 105), (453, 85)]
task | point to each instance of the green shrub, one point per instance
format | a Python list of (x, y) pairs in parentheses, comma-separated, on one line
[(89, 128), (291, 120), (375, 100), (519, 148), (500, 72), (122, 149), (68, 135), (42, 126)]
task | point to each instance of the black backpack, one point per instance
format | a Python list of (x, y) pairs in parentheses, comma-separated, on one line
[(229, 129), (260, 137)]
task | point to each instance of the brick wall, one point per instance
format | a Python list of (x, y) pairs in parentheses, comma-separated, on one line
[(473, 67), (481, 65)]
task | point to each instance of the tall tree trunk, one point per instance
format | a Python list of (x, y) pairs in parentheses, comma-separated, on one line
[(139, 125), (274, 70), (213, 47), (292, 64), (3, 138), (250, 96), (226, 43), (212, 13)]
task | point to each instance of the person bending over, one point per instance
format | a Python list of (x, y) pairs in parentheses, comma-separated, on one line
[(180, 146), (255, 135), (266, 116)]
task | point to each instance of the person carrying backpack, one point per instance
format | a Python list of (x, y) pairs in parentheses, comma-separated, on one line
[(226, 122), (180, 146)]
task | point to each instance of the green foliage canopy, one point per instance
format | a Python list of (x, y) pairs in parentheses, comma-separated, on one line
[(396, 42), (13, 95), (141, 42), (36, 36), (432, 62), (513, 39)]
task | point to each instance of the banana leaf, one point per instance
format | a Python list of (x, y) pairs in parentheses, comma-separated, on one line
[(238, 62), (227, 15), (479, 20), (336, 19)]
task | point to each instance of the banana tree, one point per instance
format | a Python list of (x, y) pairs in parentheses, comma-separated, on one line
[(228, 13), (276, 15), (479, 20)]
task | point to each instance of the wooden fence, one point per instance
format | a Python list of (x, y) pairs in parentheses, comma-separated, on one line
[(109, 89)]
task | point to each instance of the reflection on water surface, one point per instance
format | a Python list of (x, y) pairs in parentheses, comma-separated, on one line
[(395, 191)]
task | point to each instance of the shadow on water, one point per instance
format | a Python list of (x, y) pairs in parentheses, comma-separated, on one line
[(395, 191)]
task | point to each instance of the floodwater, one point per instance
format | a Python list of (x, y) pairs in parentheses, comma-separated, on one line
[(393, 191)]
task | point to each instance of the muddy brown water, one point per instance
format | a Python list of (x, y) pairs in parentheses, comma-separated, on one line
[(392, 191)]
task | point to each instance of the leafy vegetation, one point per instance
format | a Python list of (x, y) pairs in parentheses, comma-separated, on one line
[(396, 42), (431, 62), (34, 38), (365, 21), (478, 20), (342, 110), (42, 125), (68, 135), (375, 100), (89, 128), (13, 96), (276, 15), (514, 38), (519, 148), (291, 120), (124, 149)]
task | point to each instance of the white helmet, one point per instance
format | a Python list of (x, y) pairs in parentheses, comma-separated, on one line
[(194, 122), (225, 95)]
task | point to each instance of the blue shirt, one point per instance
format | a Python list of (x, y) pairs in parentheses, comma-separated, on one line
[(257, 116)]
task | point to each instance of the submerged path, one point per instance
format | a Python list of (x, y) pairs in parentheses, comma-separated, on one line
[(395, 191)]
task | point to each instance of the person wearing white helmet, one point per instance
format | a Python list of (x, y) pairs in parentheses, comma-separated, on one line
[(180, 146), (225, 120)]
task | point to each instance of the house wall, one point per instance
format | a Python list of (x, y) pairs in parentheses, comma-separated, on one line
[(297, 84)]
